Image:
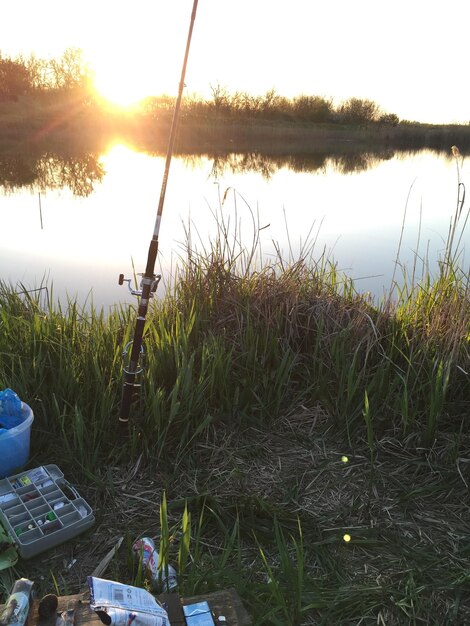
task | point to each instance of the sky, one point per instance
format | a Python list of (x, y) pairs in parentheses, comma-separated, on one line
[(409, 56)]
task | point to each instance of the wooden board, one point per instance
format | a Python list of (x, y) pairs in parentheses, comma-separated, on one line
[(224, 603)]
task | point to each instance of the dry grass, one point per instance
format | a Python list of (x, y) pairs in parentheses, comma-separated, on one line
[(408, 558)]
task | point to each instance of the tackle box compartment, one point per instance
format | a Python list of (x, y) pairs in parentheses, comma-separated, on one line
[(40, 509)]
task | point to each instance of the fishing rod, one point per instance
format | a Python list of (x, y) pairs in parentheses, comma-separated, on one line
[(134, 351)]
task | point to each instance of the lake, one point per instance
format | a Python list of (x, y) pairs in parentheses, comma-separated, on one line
[(76, 223)]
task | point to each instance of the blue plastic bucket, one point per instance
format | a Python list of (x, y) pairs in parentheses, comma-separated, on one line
[(14, 444)]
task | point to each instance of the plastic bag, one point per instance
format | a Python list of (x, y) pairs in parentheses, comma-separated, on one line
[(10, 410), (117, 604)]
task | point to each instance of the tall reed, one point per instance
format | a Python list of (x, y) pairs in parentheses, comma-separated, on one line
[(239, 339)]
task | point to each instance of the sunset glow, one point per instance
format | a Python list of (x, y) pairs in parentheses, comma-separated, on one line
[(127, 44), (120, 87)]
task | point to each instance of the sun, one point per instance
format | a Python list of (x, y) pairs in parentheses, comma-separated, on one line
[(119, 86)]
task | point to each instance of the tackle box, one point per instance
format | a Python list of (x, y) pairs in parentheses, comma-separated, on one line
[(40, 509)]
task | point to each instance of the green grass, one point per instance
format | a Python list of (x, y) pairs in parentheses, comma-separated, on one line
[(257, 380)]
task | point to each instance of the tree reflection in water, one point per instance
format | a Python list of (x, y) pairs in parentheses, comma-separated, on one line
[(79, 173), (268, 165)]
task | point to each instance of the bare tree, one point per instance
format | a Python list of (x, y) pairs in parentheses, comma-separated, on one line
[(69, 70)]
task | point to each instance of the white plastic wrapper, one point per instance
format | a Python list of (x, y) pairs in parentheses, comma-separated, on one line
[(144, 549), (123, 605)]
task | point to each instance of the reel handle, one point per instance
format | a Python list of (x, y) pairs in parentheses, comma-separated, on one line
[(138, 292)]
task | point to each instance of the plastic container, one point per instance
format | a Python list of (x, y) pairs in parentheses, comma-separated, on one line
[(14, 444), (16, 608), (39, 509)]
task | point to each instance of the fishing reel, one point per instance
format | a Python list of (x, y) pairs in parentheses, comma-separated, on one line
[(138, 292)]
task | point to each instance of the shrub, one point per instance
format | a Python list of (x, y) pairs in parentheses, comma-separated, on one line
[(358, 111)]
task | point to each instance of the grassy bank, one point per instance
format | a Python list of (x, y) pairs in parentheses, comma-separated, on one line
[(287, 412)]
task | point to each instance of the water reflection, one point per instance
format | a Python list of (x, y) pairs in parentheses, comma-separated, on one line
[(268, 165), (80, 173), (358, 218)]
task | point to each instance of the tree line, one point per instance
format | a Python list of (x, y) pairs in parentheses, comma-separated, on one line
[(21, 76), (303, 108)]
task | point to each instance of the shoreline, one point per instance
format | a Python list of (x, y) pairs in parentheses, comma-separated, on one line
[(32, 126)]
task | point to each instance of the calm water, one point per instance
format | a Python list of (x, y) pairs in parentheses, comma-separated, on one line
[(94, 218)]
